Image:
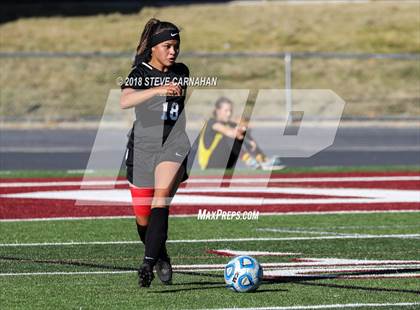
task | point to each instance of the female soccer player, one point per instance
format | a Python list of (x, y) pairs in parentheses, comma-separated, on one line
[(158, 144)]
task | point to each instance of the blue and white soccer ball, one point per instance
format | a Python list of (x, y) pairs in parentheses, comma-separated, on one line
[(243, 274)]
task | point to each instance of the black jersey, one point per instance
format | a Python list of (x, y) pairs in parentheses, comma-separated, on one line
[(159, 116)]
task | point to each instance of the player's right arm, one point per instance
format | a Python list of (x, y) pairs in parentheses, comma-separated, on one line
[(234, 133)]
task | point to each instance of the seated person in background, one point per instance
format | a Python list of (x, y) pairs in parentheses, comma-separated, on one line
[(221, 140)]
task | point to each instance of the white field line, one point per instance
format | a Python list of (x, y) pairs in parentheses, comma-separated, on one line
[(345, 268), (218, 180), (377, 276), (315, 232), (228, 252), (214, 267), (42, 219), (195, 215), (288, 272), (397, 236), (55, 273), (341, 192), (405, 275), (331, 306), (307, 267), (291, 266), (312, 262), (365, 227), (350, 262), (298, 231), (359, 195), (310, 267), (283, 273)]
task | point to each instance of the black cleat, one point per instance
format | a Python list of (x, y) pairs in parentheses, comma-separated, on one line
[(164, 270), (146, 275)]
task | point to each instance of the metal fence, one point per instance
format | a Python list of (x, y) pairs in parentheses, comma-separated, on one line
[(287, 59)]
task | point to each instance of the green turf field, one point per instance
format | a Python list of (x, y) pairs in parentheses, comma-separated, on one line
[(195, 290)]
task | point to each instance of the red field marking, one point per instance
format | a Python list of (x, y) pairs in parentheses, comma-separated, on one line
[(16, 190), (39, 208), (13, 208)]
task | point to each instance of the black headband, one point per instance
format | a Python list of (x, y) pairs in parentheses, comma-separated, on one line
[(164, 36)]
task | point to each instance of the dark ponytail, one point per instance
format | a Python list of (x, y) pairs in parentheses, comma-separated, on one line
[(144, 50)]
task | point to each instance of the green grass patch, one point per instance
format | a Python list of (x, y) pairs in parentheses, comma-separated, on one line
[(192, 291), (374, 27)]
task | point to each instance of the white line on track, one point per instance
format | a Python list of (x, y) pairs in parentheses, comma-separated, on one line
[(195, 215), (332, 306), (397, 236)]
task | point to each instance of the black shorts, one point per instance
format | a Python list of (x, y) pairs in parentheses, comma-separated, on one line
[(142, 159)]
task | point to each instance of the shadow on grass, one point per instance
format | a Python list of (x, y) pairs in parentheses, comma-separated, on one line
[(67, 263), (203, 285)]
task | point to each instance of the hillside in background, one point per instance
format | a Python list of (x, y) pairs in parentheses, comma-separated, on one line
[(74, 88)]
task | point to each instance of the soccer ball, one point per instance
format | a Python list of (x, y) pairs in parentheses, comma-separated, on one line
[(243, 274)]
